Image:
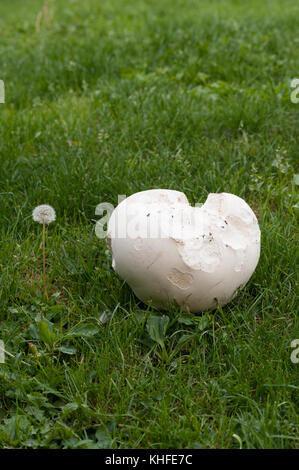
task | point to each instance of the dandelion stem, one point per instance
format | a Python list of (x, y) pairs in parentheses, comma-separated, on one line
[(44, 260), (44, 214)]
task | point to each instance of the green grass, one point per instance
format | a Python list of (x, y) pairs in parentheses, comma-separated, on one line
[(115, 97)]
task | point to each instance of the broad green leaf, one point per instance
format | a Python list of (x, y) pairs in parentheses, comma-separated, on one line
[(185, 320), (67, 349), (157, 327), (46, 335), (87, 330), (69, 407), (103, 441), (203, 322)]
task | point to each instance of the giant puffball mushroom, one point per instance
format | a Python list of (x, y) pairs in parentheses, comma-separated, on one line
[(169, 251)]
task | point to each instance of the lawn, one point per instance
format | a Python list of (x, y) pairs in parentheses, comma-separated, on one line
[(110, 98)]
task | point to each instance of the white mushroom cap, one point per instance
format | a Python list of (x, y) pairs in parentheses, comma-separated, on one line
[(167, 250)]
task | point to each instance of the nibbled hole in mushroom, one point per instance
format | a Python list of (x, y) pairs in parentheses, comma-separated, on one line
[(180, 279)]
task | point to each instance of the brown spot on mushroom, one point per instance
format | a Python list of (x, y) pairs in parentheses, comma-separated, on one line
[(155, 259), (179, 242)]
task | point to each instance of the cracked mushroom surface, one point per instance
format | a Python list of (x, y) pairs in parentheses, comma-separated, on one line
[(169, 251)]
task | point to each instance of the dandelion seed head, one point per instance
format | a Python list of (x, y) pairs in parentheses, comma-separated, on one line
[(44, 214)]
